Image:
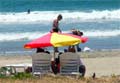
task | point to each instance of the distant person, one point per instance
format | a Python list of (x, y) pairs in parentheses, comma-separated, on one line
[(28, 11), (74, 31), (78, 33), (55, 27)]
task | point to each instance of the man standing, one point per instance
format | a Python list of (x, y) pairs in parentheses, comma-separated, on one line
[(55, 27)]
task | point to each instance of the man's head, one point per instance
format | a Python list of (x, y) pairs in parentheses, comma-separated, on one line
[(59, 17)]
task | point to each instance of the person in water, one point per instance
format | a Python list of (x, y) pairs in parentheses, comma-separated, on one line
[(28, 11)]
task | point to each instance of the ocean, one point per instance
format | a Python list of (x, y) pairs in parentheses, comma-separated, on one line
[(99, 20)]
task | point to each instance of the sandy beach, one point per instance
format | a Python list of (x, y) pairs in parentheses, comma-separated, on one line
[(103, 63)]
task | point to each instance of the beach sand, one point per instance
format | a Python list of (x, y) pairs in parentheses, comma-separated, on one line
[(14, 59), (103, 63)]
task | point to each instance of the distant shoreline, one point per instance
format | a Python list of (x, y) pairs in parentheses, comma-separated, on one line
[(30, 52)]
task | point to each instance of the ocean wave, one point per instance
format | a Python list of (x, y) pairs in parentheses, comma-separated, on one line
[(98, 33), (19, 36), (34, 35), (43, 16)]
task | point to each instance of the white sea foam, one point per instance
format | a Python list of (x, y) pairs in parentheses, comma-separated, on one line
[(43, 16), (34, 35), (109, 33), (19, 36)]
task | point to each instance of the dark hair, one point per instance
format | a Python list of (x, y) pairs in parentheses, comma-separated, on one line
[(47, 52), (40, 50), (28, 11), (60, 16), (74, 31), (81, 33)]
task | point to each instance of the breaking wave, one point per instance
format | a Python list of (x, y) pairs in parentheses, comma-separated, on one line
[(34, 35), (43, 16)]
